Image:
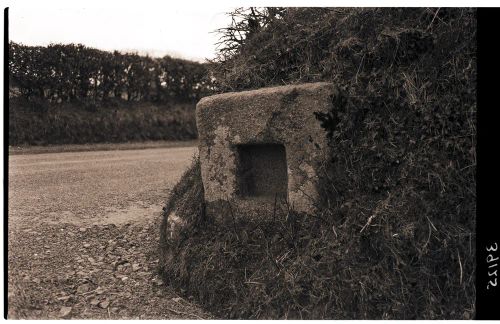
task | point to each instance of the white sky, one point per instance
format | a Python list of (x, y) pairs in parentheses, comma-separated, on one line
[(177, 30)]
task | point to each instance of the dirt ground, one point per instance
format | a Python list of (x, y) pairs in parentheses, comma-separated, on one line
[(26, 149), (83, 233)]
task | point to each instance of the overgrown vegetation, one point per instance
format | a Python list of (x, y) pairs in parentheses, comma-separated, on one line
[(394, 238), (74, 72), (63, 94), (118, 121)]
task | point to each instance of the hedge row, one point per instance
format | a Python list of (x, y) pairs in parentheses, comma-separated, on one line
[(118, 121), (76, 72)]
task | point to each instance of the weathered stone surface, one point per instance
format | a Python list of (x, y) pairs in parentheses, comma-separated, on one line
[(174, 225), (261, 146)]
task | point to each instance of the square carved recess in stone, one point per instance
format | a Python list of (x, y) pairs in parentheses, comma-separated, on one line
[(262, 171)]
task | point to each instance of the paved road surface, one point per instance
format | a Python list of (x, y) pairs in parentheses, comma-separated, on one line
[(84, 231), (93, 187)]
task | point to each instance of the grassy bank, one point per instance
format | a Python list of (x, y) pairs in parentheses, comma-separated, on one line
[(110, 122), (394, 237), (390, 257)]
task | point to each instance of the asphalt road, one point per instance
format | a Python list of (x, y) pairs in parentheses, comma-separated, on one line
[(93, 187), (84, 231)]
